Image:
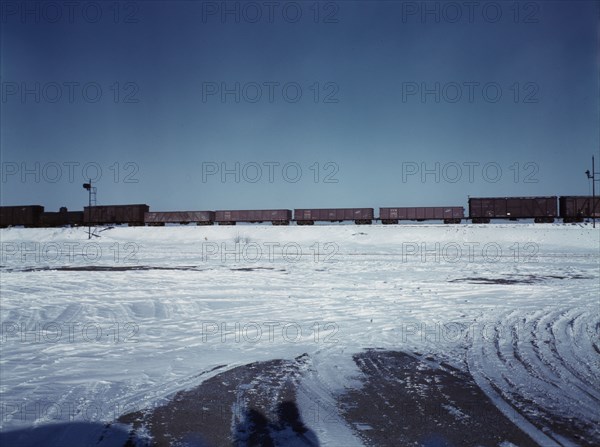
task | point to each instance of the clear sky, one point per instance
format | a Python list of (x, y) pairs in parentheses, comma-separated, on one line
[(216, 105)]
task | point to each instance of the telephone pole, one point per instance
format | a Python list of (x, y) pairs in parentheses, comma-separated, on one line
[(91, 198), (592, 176)]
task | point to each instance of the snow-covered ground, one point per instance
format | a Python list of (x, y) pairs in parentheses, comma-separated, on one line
[(95, 329)]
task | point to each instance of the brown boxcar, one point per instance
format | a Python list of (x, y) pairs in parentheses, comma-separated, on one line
[(577, 208), (160, 218), (449, 214), (27, 216), (541, 209), (115, 214), (231, 217), (61, 219), (309, 216)]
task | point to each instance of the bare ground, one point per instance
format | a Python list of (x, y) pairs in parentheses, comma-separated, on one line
[(405, 400)]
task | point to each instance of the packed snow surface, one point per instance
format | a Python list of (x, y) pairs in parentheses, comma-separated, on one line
[(92, 329)]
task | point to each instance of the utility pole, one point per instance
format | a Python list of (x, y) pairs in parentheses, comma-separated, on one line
[(592, 176), (91, 195)]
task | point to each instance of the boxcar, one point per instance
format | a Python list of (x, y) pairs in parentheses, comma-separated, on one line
[(449, 214), (160, 218), (541, 209), (577, 208), (62, 219), (360, 216), (131, 215), (27, 216), (231, 217)]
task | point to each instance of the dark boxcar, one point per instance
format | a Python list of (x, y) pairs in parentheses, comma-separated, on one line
[(449, 214), (61, 219), (160, 218), (309, 216), (231, 217), (541, 209), (115, 214), (577, 208), (27, 216)]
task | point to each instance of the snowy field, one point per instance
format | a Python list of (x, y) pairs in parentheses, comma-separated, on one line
[(92, 330)]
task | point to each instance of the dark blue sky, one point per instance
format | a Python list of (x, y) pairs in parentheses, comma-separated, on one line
[(491, 98)]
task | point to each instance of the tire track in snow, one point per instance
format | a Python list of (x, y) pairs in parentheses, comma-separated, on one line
[(538, 366)]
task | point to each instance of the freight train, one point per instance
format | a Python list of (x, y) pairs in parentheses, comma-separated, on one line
[(481, 210)]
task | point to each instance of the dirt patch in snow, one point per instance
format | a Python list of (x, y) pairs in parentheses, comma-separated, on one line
[(407, 400), (251, 405)]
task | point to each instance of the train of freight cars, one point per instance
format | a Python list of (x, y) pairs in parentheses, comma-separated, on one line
[(481, 210)]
